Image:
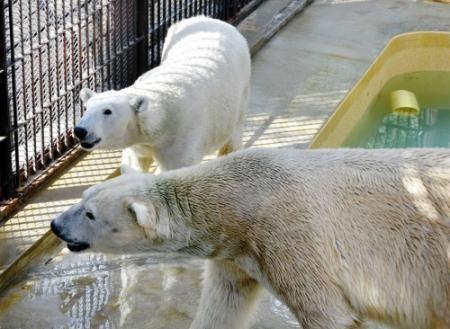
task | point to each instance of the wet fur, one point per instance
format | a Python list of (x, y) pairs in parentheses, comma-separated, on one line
[(342, 237)]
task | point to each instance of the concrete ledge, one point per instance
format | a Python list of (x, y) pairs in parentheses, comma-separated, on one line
[(48, 244), (278, 21)]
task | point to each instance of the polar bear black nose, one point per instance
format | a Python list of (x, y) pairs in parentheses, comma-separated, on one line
[(80, 132), (54, 228)]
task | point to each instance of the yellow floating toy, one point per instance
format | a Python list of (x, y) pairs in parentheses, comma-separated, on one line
[(404, 102)]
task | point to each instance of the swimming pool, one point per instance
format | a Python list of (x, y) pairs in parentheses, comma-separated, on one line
[(417, 62)]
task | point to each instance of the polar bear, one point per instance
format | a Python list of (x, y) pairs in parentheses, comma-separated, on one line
[(191, 105), (343, 237)]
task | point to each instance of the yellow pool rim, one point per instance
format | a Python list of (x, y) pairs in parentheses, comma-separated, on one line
[(405, 53)]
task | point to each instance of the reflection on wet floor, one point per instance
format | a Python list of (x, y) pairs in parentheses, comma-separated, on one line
[(98, 291)]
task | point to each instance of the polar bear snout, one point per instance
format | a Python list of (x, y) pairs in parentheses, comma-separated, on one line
[(74, 246), (55, 229), (90, 145), (68, 227), (87, 140), (80, 132), (71, 244)]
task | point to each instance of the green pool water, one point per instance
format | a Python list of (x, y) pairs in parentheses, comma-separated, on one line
[(381, 128)]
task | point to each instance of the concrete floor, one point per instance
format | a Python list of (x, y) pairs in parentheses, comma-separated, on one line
[(298, 79)]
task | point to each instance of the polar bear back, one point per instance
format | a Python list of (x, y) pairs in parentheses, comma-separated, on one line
[(374, 222), (203, 80)]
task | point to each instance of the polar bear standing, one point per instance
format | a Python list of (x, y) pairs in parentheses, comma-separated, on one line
[(191, 105), (342, 237)]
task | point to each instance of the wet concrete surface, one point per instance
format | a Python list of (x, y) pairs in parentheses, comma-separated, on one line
[(134, 291)]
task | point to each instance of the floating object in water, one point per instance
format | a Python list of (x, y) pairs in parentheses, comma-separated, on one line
[(404, 102)]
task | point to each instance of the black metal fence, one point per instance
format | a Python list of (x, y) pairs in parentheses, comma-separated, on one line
[(50, 49)]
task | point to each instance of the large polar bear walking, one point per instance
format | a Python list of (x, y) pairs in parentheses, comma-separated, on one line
[(191, 105), (340, 236)]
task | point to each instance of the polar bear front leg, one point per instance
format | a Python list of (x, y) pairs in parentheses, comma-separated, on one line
[(228, 298), (133, 162)]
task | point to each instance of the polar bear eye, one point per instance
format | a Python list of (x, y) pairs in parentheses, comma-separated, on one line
[(107, 112), (90, 215)]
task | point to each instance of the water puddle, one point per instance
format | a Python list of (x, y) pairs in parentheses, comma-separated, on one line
[(98, 291)]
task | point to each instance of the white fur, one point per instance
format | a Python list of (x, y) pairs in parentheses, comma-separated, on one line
[(191, 105), (342, 237)]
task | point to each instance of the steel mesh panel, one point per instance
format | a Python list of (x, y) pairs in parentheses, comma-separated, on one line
[(56, 48), (162, 14)]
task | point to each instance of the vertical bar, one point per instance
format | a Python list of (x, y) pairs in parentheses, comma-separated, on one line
[(80, 55), (158, 27), (165, 23), (94, 42), (62, 141), (108, 44), (16, 179), (48, 105), (112, 47), (32, 86), (24, 100), (130, 54), (195, 10), (88, 44), (73, 66), (226, 10), (142, 35), (101, 51), (175, 11), (60, 79), (205, 7), (115, 33), (41, 85), (152, 35), (6, 180), (120, 13)]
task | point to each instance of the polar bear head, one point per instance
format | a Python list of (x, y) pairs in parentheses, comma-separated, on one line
[(110, 119), (117, 216)]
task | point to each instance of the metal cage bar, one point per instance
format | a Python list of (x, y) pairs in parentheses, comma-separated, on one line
[(6, 181)]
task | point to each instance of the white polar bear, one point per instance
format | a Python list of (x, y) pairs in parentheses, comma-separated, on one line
[(191, 105), (342, 237)]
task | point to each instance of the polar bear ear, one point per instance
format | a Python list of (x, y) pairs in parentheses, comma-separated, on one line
[(85, 94), (139, 103), (144, 215)]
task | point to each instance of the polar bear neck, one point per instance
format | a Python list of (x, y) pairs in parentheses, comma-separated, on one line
[(207, 223), (218, 209)]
